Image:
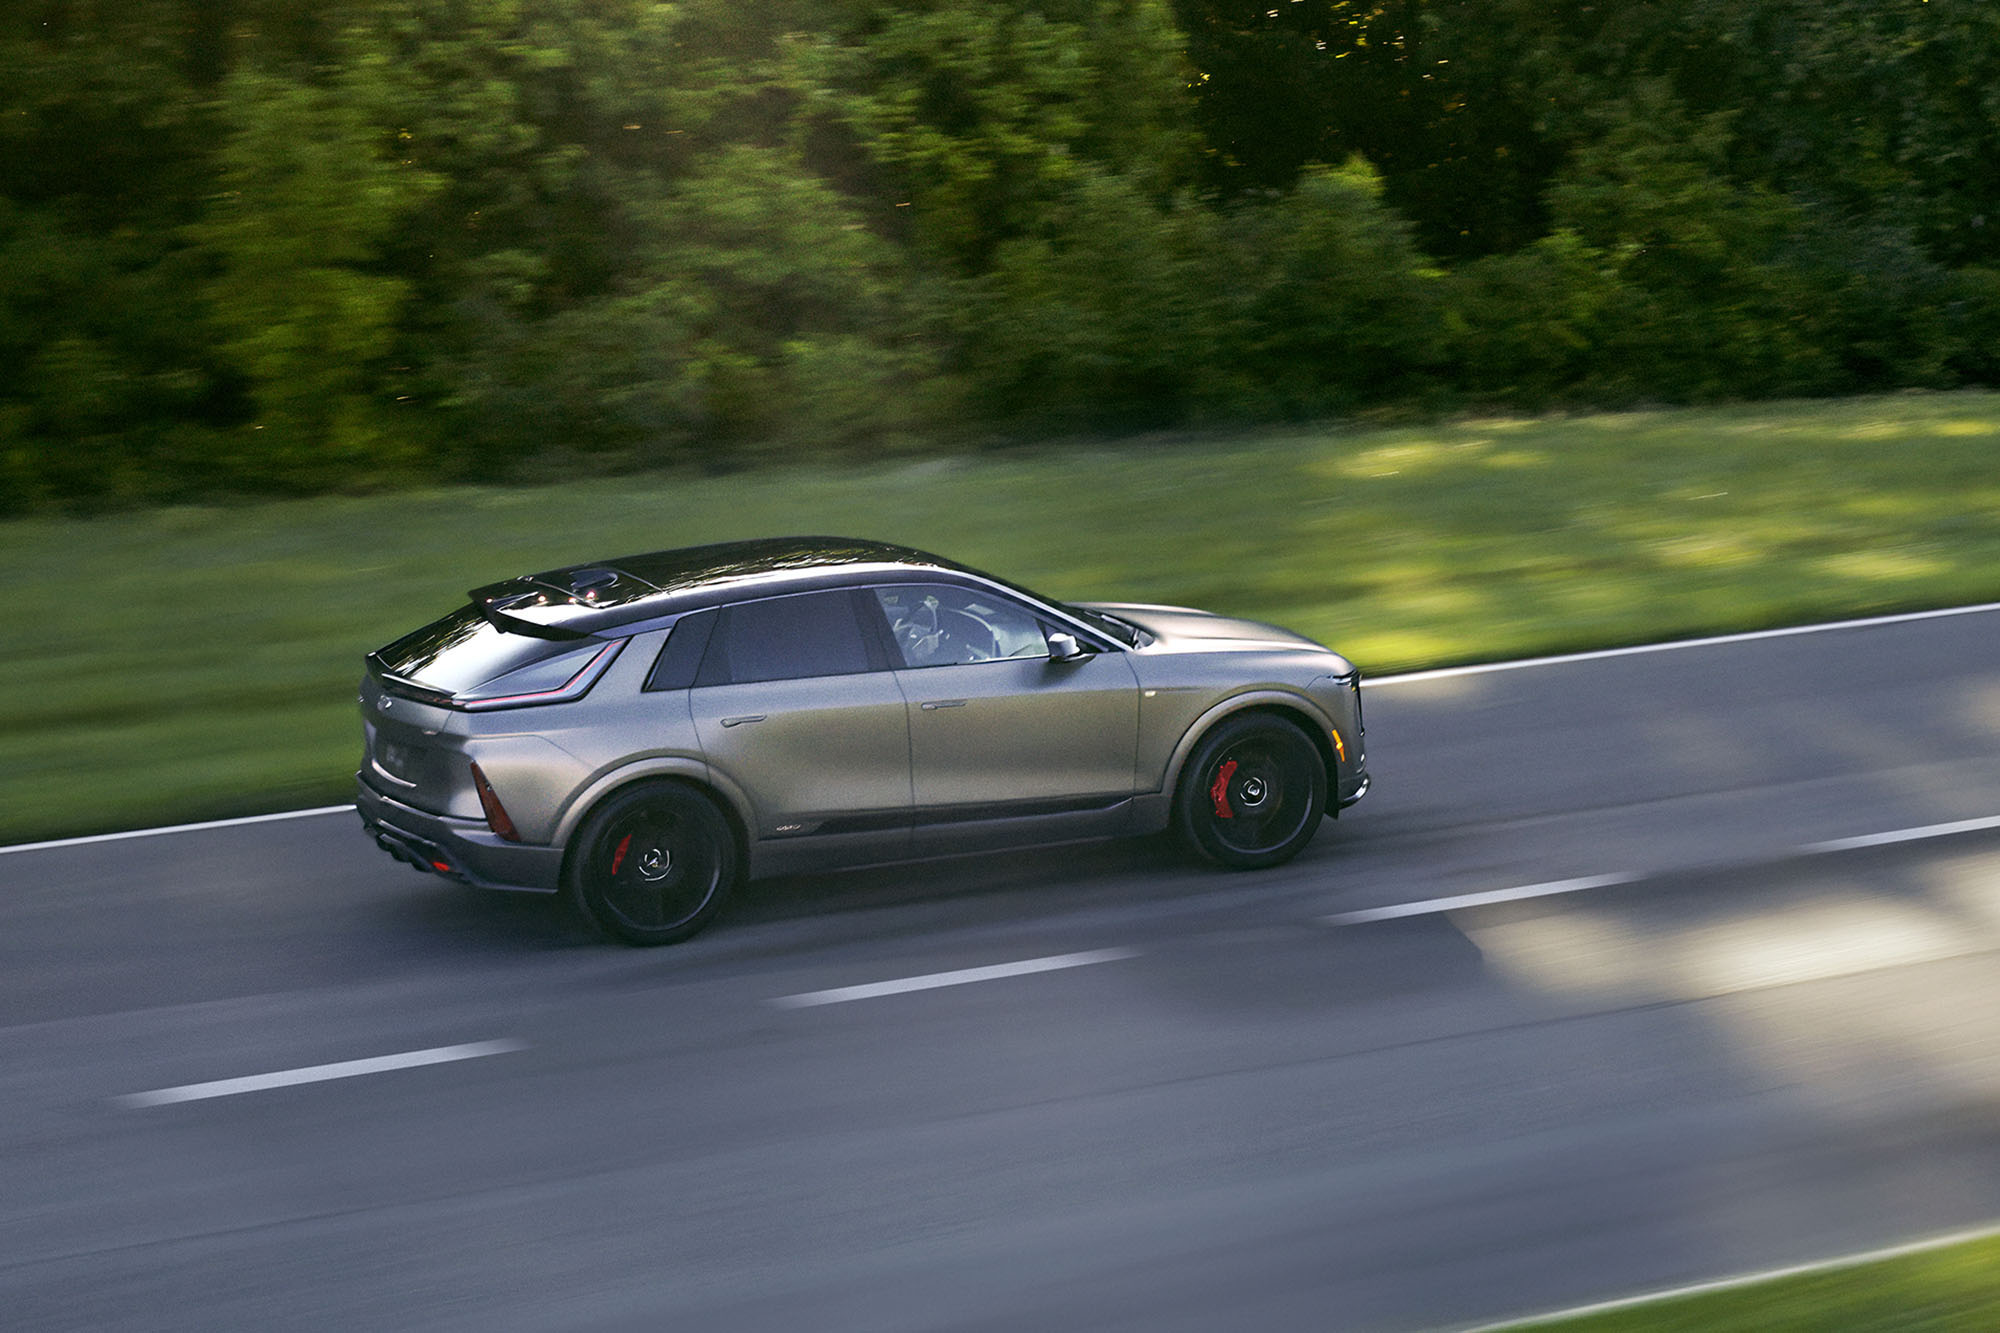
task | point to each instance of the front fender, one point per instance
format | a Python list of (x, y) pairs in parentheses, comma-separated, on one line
[(1287, 701)]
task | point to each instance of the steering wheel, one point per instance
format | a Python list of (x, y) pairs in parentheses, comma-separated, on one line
[(919, 641), (973, 637)]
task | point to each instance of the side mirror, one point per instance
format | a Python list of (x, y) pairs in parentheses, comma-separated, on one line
[(1064, 648)]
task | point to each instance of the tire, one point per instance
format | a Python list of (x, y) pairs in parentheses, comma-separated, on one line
[(1252, 794), (653, 864)]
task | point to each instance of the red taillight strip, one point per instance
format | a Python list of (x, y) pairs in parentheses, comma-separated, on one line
[(586, 675), (496, 813)]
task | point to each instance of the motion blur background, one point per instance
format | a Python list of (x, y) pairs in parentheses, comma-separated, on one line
[(256, 245)]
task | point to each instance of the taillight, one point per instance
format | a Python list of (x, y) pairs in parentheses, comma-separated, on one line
[(496, 813), (578, 684)]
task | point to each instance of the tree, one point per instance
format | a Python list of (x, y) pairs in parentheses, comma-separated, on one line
[(983, 115), (307, 197)]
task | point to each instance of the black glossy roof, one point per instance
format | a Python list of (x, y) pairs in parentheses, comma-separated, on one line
[(698, 566), (609, 593)]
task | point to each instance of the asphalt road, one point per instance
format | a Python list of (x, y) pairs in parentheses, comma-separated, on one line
[(1230, 1102)]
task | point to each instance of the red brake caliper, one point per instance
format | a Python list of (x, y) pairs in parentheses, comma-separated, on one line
[(618, 857), (1219, 793)]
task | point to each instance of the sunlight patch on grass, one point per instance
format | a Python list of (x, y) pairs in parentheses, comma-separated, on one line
[(1876, 430), (1398, 646), (1708, 550), (1393, 460), (1885, 566)]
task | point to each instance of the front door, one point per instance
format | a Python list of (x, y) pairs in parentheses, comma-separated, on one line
[(998, 731)]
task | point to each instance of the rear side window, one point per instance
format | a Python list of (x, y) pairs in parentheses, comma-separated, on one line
[(786, 638), (464, 651), (680, 659)]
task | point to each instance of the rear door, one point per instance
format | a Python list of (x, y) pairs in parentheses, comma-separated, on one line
[(795, 705)]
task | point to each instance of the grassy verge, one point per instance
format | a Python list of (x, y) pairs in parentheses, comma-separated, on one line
[(191, 662), (1955, 1289)]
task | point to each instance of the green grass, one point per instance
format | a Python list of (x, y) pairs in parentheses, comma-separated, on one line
[(1954, 1289), (190, 662)]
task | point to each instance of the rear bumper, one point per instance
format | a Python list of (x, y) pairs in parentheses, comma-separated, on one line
[(461, 849)]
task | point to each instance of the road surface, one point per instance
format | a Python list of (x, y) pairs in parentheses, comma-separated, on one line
[(260, 1076)]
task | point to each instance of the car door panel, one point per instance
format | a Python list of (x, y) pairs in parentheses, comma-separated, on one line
[(1006, 743), (793, 709), (829, 754), (1028, 733)]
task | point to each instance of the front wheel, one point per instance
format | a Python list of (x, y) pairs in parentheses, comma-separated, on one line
[(1252, 794), (653, 864)]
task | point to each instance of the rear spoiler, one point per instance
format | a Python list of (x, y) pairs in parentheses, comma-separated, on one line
[(495, 600), (404, 686)]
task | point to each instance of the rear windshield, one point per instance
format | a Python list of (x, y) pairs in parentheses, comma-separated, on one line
[(463, 651)]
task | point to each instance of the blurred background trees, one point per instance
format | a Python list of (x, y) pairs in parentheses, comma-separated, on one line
[(251, 245)]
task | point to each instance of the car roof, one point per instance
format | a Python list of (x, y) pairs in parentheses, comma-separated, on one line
[(609, 594)]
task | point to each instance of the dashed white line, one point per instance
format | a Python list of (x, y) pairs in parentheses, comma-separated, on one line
[(1711, 641), (1432, 906), (1747, 1279), (1901, 835), (177, 828), (286, 1078), (962, 977)]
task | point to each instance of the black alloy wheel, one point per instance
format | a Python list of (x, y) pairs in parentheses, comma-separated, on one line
[(1252, 794), (653, 864)]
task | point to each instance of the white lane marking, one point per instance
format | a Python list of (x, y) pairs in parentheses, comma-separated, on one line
[(1901, 835), (1432, 906), (286, 1078), (962, 977), (178, 828), (1713, 640), (1749, 1279)]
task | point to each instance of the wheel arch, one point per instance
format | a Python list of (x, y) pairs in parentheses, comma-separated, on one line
[(683, 771), (1290, 707)]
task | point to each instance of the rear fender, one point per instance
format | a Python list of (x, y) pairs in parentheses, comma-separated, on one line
[(685, 768)]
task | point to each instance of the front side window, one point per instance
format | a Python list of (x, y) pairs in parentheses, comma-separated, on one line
[(941, 624), (786, 638)]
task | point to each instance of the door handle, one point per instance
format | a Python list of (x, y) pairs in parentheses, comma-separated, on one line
[(943, 703), (739, 721)]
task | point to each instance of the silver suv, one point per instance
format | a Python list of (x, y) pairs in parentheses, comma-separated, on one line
[(645, 732)]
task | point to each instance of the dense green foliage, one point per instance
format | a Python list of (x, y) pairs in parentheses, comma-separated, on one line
[(250, 245)]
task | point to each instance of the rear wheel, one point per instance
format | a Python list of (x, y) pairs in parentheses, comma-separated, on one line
[(1252, 794), (653, 864)]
